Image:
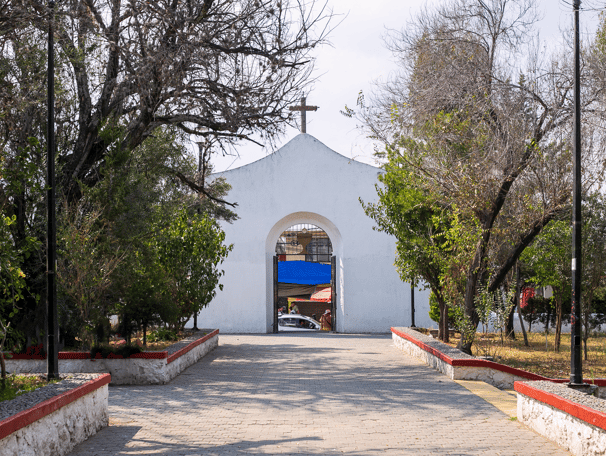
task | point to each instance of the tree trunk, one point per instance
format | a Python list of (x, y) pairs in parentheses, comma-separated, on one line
[(517, 306), (509, 329), (585, 320), (2, 362), (471, 286), (3, 366), (558, 334), (441, 322), (444, 323)]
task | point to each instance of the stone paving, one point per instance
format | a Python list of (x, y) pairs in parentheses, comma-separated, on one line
[(308, 394)]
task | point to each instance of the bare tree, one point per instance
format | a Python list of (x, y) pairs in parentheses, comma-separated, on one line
[(220, 68), (482, 115)]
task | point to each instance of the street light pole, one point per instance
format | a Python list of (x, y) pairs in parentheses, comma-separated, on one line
[(576, 368), (52, 361), (412, 305), (201, 183)]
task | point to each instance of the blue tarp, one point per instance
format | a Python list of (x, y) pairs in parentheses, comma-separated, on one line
[(303, 272)]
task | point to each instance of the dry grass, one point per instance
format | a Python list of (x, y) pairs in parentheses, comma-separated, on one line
[(137, 339), (538, 358), (162, 345)]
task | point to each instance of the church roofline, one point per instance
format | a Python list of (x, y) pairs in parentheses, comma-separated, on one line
[(290, 144)]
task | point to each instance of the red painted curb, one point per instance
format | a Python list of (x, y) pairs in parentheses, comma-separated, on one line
[(150, 355), (73, 355), (582, 412), (187, 348), (142, 355), (425, 347), (27, 417), (10, 356), (484, 363)]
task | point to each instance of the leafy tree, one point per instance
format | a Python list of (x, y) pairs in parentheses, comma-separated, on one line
[(494, 149), (418, 223), (13, 286), (598, 306), (534, 308), (190, 251), (145, 293), (594, 262), (549, 257), (171, 275), (87, 258), (166, 232)]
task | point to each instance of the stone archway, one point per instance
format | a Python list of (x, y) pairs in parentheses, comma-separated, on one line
[(337, 245)]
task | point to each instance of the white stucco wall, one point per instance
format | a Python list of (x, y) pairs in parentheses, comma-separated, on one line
[(57, 433), (576, 435), (306, 182)]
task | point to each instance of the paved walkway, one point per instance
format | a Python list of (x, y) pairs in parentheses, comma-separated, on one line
[(309, 394)]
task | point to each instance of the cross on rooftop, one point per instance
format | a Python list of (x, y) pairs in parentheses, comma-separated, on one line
[(303, 108)]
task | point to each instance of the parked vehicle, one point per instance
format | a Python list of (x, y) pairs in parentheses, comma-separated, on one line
[(295, 322)]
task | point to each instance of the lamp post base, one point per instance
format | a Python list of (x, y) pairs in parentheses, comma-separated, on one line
[(583, 388)]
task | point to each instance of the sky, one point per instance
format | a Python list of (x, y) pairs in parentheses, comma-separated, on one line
[(357, 57)]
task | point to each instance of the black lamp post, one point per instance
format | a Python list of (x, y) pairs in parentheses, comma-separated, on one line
[(52, 361), (576, 368), (412, 305), (200, 159)]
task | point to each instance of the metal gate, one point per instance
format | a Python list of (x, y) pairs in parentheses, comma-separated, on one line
[(333, 292), (275, 323)]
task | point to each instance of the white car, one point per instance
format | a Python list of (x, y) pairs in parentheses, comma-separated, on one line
[(296, 322)]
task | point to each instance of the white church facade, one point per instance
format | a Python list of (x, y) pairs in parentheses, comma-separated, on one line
[(305, 182)]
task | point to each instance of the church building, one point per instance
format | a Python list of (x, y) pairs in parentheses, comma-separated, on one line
[(302, 237)]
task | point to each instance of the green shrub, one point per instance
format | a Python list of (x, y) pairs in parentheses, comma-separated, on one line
[(161, 334), (434, 310)]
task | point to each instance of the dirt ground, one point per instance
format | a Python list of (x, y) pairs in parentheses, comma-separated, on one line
[(540, 358)]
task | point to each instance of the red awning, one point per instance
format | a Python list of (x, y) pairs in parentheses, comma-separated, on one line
[(322, 295)]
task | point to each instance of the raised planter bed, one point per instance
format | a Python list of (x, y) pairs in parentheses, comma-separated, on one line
[(574, 420), (54, 419), (460, 366), (145, 368)]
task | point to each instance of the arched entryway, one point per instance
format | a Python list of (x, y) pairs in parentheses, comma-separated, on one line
[(304, 283), (310, 238)]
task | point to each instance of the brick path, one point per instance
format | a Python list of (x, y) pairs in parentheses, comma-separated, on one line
[(308, 394)]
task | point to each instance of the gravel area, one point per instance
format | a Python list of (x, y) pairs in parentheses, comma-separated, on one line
[(449, 351), (188, 340), (562, 390), (28, 400)]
